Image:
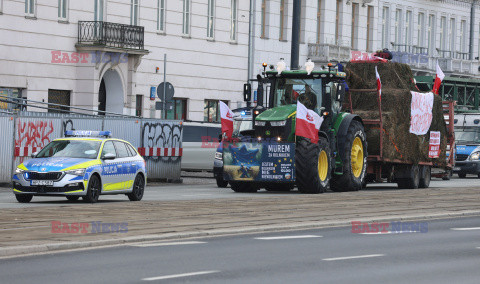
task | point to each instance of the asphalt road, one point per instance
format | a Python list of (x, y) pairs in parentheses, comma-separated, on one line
[(202, 188), (449, 252)]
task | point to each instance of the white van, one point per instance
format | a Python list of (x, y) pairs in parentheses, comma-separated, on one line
[(200, 142)]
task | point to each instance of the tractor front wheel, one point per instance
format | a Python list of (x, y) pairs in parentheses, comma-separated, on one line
[(312, 164), (355, 163)]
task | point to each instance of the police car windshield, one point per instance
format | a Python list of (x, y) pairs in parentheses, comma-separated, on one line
[(82, 149), (467, 135)]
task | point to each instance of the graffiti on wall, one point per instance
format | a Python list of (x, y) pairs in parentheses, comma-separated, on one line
[(161, 135), (33, 133)]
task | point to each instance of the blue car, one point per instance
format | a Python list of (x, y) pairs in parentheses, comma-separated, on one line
[(85, 164), (467, 139)]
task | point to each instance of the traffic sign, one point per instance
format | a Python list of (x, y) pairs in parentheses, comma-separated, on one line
[(169, 92)]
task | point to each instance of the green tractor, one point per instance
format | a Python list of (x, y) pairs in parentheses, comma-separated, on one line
[(271, 156)]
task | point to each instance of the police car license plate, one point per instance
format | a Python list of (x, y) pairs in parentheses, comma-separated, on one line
[(41, 182)]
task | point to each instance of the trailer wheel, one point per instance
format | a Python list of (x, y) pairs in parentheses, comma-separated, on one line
[(312, 166), (447, 175), (355, 164), (425, 176), (243, 186), (411, 182)]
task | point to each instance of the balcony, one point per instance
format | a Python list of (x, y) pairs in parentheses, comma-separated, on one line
[(324, 52), (420, 60), (105, 36)]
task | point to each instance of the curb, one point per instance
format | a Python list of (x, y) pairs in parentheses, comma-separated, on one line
[(18, 251)]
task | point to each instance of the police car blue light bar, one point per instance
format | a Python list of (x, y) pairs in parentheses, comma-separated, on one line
[(87, 133)]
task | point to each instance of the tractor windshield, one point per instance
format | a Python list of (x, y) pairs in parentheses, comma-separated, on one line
[(307, 91)]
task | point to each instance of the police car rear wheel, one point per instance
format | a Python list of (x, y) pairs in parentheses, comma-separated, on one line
[(24, 198), (93, 190), (73, 198), (138, 189)]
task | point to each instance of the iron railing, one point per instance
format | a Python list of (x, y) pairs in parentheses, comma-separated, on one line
[(111, 35)]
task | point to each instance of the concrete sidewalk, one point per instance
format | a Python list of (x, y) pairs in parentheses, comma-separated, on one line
[(29, 230)]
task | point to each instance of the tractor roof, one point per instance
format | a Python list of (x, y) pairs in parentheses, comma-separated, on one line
[(303, 73)]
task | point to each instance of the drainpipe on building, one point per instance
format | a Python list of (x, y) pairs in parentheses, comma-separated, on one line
[(251, 41), (295, 35), (472, 28)]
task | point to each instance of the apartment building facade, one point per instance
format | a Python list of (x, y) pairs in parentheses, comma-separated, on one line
[(109, 55)]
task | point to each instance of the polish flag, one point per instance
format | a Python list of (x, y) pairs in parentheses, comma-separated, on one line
[(226, 116), (438, 80), (379, 83), (308, 123)]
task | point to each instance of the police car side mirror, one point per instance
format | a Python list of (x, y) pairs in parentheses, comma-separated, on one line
[(34, 154), (109, 156)]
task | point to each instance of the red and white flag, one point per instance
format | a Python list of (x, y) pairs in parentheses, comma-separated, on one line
[(226, 116), (379, 83), (308, 123), (438, 80)]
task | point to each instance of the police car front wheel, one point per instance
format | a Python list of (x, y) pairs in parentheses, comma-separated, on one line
[(24, 198), (93, 190)]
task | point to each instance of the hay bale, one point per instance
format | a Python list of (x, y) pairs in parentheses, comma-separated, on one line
[(397, 82)]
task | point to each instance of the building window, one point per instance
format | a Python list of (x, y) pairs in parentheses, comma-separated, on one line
[(9, 99), (211, 111), (264, 19), (233, 20), (398, 26), (30, 7), (59, 97), (99, 10), (463, 36), (283, 19), (408, 30), (355, 16), (338, 22), (319, 21), (178, 110), (138, 105), (63, 10), (134, 12), (431, 33), (443, 27), (420, 30), (211, 19), (370, 13), (161, 16), (385, 26), (452, 34), (186, 17)]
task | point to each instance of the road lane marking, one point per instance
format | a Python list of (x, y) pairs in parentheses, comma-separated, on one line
[(353, 257), (180, 275), (288, 237), (465, 229), (23, 228), (166, 244)]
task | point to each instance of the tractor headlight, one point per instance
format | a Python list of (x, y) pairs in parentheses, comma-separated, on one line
[(260, 123), (278, 123), (19, 171), (475, 156), (218, 155), (77, 172)]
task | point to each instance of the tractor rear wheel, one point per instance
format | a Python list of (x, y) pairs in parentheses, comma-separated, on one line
[(243, 186), (355, 164), (313, 166)]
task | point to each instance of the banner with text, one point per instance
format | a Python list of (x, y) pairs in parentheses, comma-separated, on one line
[(434, 147), (421, 113)]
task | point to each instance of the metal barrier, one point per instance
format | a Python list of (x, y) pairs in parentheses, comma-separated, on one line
[(159, 141)]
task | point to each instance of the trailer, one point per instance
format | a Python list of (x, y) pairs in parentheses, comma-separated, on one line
[(405, 173)]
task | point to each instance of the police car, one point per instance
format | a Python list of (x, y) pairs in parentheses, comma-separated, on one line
[(83, 164)]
